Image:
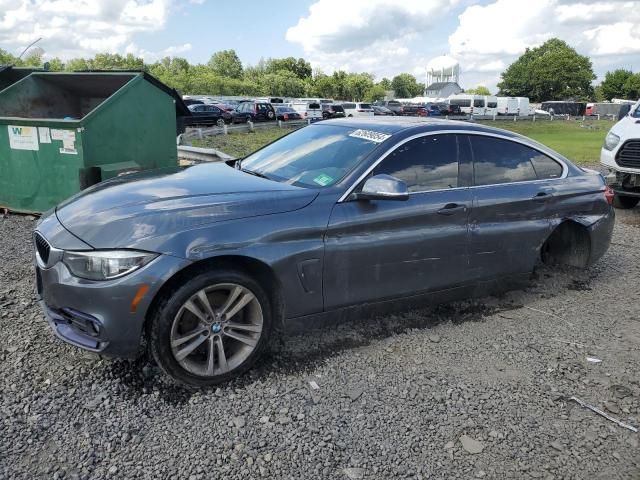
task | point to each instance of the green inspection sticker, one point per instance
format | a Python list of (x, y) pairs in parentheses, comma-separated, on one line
[(323, 179)]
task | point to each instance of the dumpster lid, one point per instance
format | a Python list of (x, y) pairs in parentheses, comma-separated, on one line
[(181, 107)]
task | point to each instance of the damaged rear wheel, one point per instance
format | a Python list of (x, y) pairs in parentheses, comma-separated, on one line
[(624, 202)]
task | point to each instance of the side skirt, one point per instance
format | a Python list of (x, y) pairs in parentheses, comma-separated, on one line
[(385, 307)]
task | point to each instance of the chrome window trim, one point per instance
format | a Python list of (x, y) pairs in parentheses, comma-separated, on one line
[(522, 141)]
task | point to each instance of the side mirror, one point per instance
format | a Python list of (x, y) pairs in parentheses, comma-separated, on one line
[(383, 187)]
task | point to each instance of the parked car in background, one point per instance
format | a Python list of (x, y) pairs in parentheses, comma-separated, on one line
[(192, 101), (254, 111), (507, 106), (447, 109), (491, 105), (287, 113), (331, 110), (382, 111), (429, 110), (357, 109), (203, 114), (394, 105), (412, 109), (308, 110), (204, 277), (620, 154), (226, 107)]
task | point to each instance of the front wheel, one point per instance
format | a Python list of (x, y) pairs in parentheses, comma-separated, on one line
[(625, 203), (220, 122), (212, 329)]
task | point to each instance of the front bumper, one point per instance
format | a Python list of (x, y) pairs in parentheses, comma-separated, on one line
[(100, 316)]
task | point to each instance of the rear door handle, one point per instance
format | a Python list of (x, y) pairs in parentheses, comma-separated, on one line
[(542, 196), (452, 208)]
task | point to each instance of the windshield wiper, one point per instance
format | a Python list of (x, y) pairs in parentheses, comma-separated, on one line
[(252, 172)]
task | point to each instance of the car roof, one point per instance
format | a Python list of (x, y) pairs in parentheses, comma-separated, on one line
[(393, 125)]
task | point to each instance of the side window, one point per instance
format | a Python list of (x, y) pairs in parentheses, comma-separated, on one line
[(478, 103), (498, 161), (426, 163), (544, 166)]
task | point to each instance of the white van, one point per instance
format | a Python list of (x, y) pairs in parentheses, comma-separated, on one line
[(469, 104), (523, 106), (357, 109), (491, 103), (308, 110), (508, 106)]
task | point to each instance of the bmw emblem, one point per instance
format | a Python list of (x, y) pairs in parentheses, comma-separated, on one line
[(216, 327)]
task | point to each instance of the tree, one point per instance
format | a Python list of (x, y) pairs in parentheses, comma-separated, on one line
[(323, 86), (76, 65), (282, 83), (376, 92), (479, 90), (114, 61), (7, 58), (613, 84), (385, 83), (405, 85), (226, 63), (300, 67), (55, 65), (553, 71), (356, 85), (632, 87)]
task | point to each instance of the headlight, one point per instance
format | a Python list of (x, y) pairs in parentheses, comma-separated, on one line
[(611, 140), (105, 265)]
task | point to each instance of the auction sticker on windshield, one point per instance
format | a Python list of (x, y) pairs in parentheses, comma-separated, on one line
[(323, 179), (377, 137)]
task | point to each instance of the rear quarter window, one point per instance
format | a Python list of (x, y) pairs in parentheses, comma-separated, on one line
[(497, 161)]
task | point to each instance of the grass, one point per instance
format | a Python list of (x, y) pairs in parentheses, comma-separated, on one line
[(242, 144), (578, 141)]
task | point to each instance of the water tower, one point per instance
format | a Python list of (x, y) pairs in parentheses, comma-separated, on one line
[(443, 69)]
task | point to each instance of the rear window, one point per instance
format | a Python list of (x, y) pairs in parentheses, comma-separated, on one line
[(478, 103), (394, 103), (348, 105), (337, 108), (314, 106), (365, 105), (492, 104)]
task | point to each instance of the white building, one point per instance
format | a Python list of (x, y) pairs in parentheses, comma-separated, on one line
[(443, 75)]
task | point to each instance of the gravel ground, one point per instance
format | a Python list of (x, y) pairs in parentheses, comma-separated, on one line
[(474, 389)]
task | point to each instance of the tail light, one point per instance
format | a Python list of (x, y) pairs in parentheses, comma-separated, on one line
[(305, 114), (286, 116), (401, 110), (360, 110), (609, 194)]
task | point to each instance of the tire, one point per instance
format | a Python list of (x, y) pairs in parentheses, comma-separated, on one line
[(173, 327), (220, 122), (625, 203), (270, 115)]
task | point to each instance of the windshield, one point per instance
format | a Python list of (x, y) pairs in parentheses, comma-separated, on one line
[(636, 112), (315, 156)]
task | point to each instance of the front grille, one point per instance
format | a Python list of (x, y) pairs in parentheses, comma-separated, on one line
[(629, 154), (43, 247)]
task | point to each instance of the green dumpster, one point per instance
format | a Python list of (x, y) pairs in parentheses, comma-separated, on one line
[(62, 132)]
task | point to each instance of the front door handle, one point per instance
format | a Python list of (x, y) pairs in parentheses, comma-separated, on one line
[(452, 208), (542, 196)]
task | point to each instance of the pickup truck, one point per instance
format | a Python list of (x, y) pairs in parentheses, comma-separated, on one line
[(620, 154)]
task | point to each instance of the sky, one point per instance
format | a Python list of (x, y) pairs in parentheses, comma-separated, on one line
[(383, 37)]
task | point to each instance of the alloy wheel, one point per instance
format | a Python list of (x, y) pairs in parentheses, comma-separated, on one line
[(216, 329)]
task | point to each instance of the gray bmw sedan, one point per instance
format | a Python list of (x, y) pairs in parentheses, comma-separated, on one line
[(204, 262)]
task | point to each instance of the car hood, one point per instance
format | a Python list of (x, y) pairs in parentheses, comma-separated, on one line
[(627, 127), (122, 211)]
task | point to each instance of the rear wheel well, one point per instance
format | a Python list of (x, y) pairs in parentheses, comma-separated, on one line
[(256, 269), (569, 244)]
